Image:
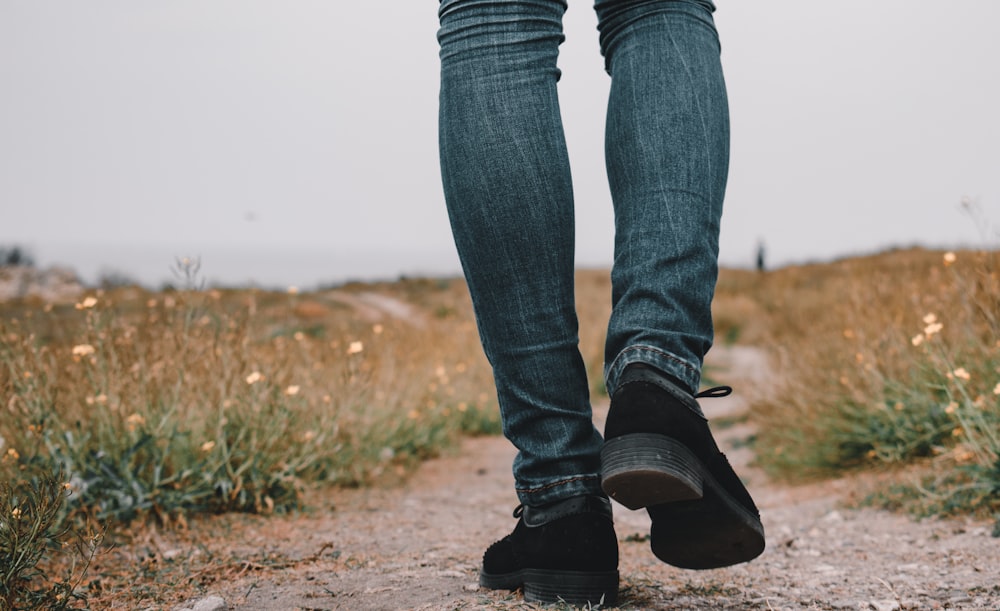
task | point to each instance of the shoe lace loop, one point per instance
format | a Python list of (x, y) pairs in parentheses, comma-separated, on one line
[(519, 510), (715, 392)]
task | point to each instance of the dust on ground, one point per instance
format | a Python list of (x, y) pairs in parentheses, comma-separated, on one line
[(418, 545)]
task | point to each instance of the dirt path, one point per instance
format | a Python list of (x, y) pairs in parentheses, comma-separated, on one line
[(418, 546)]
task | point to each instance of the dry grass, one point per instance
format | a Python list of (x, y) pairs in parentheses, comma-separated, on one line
[(159, 406), (888, 360)]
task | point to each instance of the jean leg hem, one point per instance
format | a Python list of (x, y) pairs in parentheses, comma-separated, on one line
[(577, 485), (666, 362)]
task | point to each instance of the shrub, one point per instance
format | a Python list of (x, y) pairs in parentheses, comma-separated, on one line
[(900, 366)]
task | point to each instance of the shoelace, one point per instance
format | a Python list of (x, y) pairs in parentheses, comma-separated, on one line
[(715, 392)]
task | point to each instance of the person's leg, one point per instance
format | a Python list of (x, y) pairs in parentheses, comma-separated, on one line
[(667, 152), (667, 147), (507, 186), (509, 196)]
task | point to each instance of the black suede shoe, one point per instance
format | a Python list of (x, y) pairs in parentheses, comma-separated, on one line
[(563, 552), (660, 454)]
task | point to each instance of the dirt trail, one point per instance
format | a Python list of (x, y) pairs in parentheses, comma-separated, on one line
[(418, 546)]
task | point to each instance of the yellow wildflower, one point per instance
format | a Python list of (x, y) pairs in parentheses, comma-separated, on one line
[(961, 374), (87, 303), (292, 390), (254, 377), (355, 347), (83, 350), (207, 446), (949, 258)]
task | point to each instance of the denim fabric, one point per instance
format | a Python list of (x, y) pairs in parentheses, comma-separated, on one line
[(509, 194)]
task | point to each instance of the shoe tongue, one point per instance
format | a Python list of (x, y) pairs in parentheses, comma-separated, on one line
[(538, 516)]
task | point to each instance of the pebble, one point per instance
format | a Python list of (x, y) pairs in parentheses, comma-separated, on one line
[(209, 603), (833, 516), (884, 605)]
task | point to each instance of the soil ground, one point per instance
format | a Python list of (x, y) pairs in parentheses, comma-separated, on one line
[(418, 545)]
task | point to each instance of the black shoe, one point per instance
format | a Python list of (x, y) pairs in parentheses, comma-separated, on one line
[(660, 454), (563, 552)]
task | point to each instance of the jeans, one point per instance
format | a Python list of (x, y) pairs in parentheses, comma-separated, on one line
[(509, 195)]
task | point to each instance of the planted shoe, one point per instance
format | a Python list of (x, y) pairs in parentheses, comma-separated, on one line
[(563, 552), (660, 454)]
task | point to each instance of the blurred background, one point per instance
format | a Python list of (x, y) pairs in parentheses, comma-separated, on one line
[(295, 143)]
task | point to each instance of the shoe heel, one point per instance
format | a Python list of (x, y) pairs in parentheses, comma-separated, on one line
[(644, 469), (574, 588)]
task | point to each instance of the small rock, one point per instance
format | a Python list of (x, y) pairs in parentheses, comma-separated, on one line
[(458, 574), (210, 603), (884, 605), (833, 516)]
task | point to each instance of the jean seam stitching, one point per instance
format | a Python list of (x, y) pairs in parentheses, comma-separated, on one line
[(662, 353), (559, 483)]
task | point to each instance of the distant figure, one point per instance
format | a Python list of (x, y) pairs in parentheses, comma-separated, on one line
[(15, 257), (507, 186), (760, 256)]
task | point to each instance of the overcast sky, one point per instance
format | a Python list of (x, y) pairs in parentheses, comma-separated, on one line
[(295, 142)]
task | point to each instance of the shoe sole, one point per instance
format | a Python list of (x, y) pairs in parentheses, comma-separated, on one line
[(696, 523), (548, 586)]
